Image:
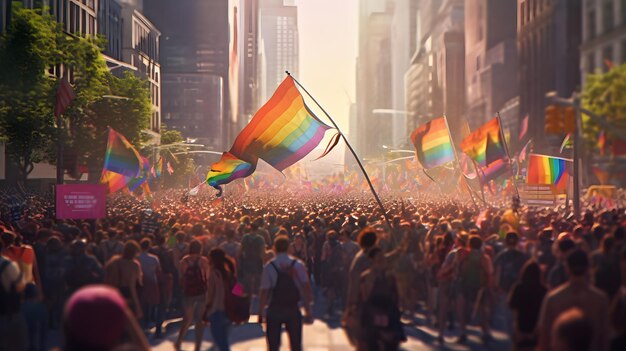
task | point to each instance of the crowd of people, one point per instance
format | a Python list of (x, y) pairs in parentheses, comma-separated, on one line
[(549, 280)]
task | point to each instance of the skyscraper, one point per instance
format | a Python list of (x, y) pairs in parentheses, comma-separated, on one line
[(194, 59), (278, 45)]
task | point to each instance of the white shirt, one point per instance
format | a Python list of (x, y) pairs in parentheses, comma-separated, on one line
[(283, 262)]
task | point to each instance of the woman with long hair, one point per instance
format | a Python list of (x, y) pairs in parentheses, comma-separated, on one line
[(222, 274)]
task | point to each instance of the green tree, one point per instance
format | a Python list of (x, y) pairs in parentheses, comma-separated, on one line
[(125, 107), (183, 165), (30, 46), (605, 95)]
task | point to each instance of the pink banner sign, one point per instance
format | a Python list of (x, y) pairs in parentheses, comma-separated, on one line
[(80, 201)]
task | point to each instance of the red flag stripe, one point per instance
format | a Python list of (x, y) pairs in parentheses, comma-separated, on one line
[(64, 96)]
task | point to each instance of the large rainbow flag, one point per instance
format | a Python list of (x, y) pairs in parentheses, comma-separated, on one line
[(121, 157), (432, 143), (486, 147), (281, 133), (544, 169)]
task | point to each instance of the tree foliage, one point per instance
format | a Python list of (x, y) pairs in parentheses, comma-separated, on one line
[(33, 44), (605, 95)]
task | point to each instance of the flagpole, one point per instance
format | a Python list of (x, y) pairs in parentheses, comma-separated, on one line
[(358, 161), (456, 158), (506, 149)]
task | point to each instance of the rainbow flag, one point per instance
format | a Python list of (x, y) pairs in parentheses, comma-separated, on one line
[(486, 147), (432, 143), (281, 133), (121, 157), (114, 181), (547, 170), (159, 167)]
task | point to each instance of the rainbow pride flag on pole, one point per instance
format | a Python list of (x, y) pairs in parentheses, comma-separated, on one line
[(432, 143), (544, 169), (281, 133), (121, 157), (486, 146)]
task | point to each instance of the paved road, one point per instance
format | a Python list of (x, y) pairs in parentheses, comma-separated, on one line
[(322, 336)]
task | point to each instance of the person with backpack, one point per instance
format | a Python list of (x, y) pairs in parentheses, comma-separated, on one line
[(81, 269), (194, 272), (12, 323), (473, 272), (332, 270), (251, 261), (379, 312), (222, 278), (169, 273), (283, 284)]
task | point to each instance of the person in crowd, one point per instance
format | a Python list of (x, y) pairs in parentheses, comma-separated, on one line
[(557, 275), (251, 258), (332, 270), (23, 255), (53, 279), (112, 244), (13, 329), (284, 284), (222, 274), (474, 272), (96, 317), (605, 267), (81, 269), (507, 267), (194, 273), (367, 241), (36, 316), (525, 300), (579, 293), (124, 272), (298, 248), (231, 246), (381, 328), (446, 276), (150, 296), (618, 320), (572, 331), (168, 275)]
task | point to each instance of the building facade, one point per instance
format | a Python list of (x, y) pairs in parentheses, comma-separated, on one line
[(549, 38), (435, 83), (140, 48), (374, 85), (278, 45), (491, 64), (249, 19), (604, 35), (110, 26), (195, 51)]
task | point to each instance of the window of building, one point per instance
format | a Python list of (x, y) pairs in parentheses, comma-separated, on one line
[(591, 62), (607, 15), (522, 12), (591, 24)]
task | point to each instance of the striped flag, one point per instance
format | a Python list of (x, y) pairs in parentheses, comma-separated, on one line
[(602, 143), (170, 169), (64, 96)]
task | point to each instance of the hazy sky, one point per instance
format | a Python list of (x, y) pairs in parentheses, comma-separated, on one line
[(328, 50)]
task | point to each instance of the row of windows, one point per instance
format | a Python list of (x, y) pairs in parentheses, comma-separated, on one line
[(608, 11), (608, 57), (530, 9)]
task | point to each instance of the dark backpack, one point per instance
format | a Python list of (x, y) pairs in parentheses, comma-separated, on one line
[(285, 295), (10, 301), (471, 271), (54, 275), (194, 282), (236, 304)]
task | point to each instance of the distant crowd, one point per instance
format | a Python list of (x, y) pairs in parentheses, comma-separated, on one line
[(549, 280)]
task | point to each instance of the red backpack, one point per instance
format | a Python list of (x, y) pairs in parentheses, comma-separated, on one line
[(194, 282)]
